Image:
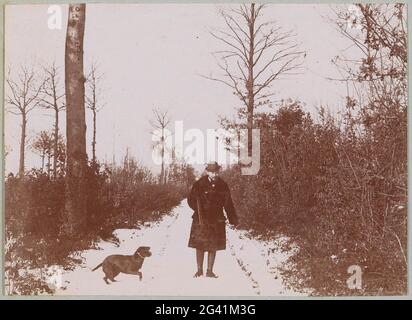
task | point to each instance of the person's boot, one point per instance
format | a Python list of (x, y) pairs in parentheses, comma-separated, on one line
[(198, 274), (210, 274)]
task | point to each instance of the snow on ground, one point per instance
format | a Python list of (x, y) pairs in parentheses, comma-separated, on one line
[(246, 268)]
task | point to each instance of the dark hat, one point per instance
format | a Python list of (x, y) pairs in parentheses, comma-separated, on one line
[(213, 166)]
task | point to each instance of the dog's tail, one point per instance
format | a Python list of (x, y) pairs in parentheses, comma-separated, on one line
[(97, 267)]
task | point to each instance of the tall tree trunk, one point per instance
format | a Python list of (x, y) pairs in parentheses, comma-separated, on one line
[(162, 170), (22, 144), (250, 81), (42, 160), (238, 145), (94, 135), (56, 141), (75, 205), (48, 163)]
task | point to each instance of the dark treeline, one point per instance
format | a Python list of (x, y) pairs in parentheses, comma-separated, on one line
[(118, 196), (338, 187), (70, 202)]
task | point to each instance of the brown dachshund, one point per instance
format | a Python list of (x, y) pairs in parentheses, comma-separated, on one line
[(116, 263)]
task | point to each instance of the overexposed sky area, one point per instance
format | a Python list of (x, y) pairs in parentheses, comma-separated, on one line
[(152, 55)]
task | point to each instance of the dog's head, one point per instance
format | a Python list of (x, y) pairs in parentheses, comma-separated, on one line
[(143, 251)]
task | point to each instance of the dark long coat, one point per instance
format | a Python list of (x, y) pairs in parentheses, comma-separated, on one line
[(210, 198)]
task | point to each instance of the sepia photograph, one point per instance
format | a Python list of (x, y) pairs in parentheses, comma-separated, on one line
[(205, 150)]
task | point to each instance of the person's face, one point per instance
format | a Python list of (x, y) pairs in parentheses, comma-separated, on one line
[(212, 175)]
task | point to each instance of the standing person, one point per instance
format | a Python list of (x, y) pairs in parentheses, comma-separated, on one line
[(209, 195)]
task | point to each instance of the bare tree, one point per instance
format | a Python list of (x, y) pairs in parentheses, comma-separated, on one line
[(76, 124), (23, 98), (159, 123), (256, 53), (380, 85), (53, 99), (381, 39), (43, 145), (93, 92)]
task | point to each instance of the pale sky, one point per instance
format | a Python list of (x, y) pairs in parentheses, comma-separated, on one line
[(152, 55)]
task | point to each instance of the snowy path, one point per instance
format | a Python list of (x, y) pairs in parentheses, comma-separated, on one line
[(246, 268)]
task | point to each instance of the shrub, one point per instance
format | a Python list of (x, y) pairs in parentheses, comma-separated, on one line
[(117, 197), (341, 198)]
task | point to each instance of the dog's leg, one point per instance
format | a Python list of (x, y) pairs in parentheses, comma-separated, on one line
[(105, 280), (114, 273), (110, 272), (137, 273)]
